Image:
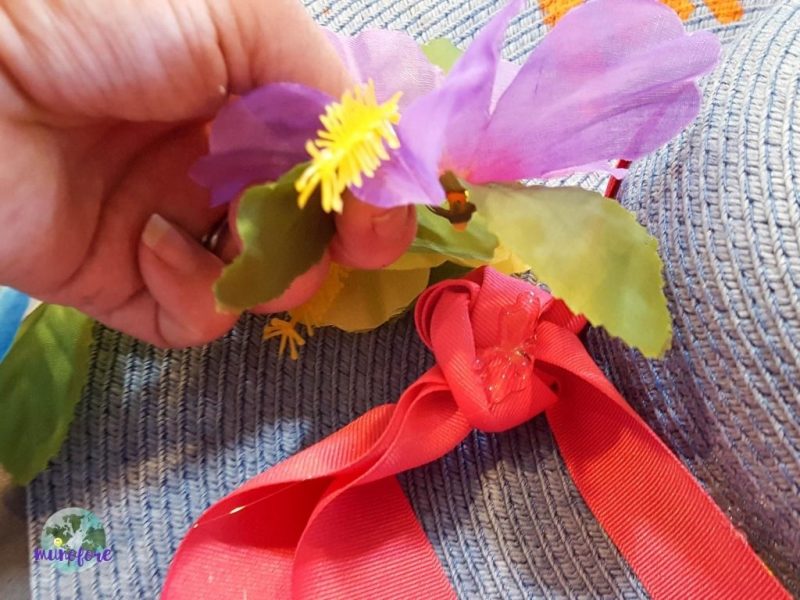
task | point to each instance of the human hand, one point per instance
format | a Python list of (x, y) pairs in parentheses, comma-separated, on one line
[(103, 105)]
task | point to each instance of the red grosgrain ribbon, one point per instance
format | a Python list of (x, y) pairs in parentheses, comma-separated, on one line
[(332, 521)]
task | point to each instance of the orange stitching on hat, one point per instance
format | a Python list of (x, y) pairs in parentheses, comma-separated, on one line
[(725, 11), (555, 9), (684, 8)]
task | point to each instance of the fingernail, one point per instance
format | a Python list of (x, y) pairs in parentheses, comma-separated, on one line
[(169, 244), (392, 223)]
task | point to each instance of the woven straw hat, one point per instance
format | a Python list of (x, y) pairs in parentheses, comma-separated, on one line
[(724, 201), (159, 435)]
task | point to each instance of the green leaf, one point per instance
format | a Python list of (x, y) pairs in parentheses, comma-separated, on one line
[(590, 251), (41, 380), (417, 260), (370, 298), (442, 53), (447, 270), (280, 242), (437, 235)]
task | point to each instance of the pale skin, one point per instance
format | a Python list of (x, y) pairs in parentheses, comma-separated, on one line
[(103, 105)]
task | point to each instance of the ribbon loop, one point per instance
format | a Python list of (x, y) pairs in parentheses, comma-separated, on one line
[(484, 333), (332, 521)]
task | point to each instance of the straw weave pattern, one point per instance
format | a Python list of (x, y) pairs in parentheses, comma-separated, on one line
[(160, 435)]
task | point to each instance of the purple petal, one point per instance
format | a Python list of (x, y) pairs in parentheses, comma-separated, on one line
[(611, 80), (444, 118), (286, 114), (604, 166), (258, 138), (442, 125), (392, 59), (405, 179), (506, 73), (228, 174)]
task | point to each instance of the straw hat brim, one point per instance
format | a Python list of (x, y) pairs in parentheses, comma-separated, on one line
[(160, 435)]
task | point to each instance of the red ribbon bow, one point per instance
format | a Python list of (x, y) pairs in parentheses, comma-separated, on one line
[(332, 521)]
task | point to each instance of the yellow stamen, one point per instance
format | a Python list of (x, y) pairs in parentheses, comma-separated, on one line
[(350, 147), (310, 314), (286, 331)]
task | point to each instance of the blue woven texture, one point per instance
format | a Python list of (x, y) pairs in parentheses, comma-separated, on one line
[(724, 201), (159, 435)]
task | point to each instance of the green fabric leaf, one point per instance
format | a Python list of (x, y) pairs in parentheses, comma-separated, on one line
[(41, 380), (417, 260), (590, 251), (280, 239), (447, 270), (437, 235), (370, 298), (442, 53)]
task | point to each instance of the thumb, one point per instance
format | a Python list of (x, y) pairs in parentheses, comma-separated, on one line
[(264, 42), (368, 237), (179, 274), (152, 60)]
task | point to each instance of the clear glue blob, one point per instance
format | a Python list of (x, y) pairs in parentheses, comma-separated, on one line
[(507, 368)]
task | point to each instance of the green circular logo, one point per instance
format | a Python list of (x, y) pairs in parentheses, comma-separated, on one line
[(73, 539)]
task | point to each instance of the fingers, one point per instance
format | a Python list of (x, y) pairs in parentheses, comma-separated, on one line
[(301, 289), (177, 309), (152, 60), (229, 246), (263, 42), (368, 237), (179, 274)]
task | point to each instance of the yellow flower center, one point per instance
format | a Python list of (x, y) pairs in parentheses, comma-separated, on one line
[(351, 146), (310, 314)]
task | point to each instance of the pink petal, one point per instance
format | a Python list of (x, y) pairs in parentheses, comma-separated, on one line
[(228, 174), (392, 59), (258, 138), (425, 129), (277, 115), (403, 180), (612, 80), (452, 115), (604, 166), (505, 74)]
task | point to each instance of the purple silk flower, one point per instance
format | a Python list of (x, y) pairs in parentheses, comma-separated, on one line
[(613, 79)]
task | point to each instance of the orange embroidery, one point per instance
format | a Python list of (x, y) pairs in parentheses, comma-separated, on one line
[(684, 8), (555, 9), (725, 11)]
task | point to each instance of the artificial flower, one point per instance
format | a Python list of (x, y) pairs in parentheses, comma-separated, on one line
[(613, 79), (352, 146), (264, 134)]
